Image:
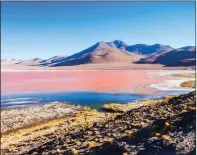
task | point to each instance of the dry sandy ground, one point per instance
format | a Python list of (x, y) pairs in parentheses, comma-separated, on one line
[(99, 66), (12, 119), (39, 130)]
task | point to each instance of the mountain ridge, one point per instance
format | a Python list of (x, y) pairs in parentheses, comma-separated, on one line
[(118, 51), (184, 56)]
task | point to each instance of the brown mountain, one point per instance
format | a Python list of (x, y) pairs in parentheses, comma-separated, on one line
[(111, 52), (148, 49), (120, 53), (102, 55), (54, 59), (31, 62), (185, 56), (9, 61)]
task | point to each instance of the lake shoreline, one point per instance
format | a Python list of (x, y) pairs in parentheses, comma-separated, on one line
[(76, 129), (94, 100), (44, 133), (149, 83)]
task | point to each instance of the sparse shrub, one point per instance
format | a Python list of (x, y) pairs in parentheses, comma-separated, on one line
[(167, 124), (146, 120), (90, 144), (74, 151), (142, 124), (152, 115), (58, 150), (165, 137), (78, 143), (11, 148), (158, 134), (96, 139), (192, 108), (184, 111)]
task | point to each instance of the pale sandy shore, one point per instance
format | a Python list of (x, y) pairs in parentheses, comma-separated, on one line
[(32, 123), (99, 66), (174, 79), (16, 118)]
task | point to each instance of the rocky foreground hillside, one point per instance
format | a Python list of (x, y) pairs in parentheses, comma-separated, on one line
[(158, 128)]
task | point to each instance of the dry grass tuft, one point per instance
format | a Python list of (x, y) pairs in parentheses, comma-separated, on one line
[(90, 144), (74, 151), (165, 137)]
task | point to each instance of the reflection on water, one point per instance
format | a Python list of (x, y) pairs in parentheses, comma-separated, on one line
[(92, 99)]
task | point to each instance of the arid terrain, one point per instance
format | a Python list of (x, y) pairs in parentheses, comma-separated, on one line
[(153, 126), (158, 126), (98, 78), (102, 66)]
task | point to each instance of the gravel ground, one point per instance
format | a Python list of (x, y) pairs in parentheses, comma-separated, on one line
[(164, 128), (12, 119)]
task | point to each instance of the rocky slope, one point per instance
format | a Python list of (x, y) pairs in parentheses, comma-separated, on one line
[(161, 128), (31, 62), (13, 119), (102, 56), (101, 52), (185, 56), (53, 60), (148, 49), (189, 84)]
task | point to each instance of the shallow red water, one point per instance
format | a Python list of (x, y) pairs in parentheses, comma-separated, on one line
[(111, 80)]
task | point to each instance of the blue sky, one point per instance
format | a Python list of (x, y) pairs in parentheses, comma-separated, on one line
[(46, 29)]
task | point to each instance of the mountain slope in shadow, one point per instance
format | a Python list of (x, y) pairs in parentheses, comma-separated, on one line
[(185, 56)]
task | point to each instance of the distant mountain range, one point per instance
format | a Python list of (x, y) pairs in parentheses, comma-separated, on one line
[(31, 62), (185, 56), (10, 61), (148, 49), (119, 52)]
